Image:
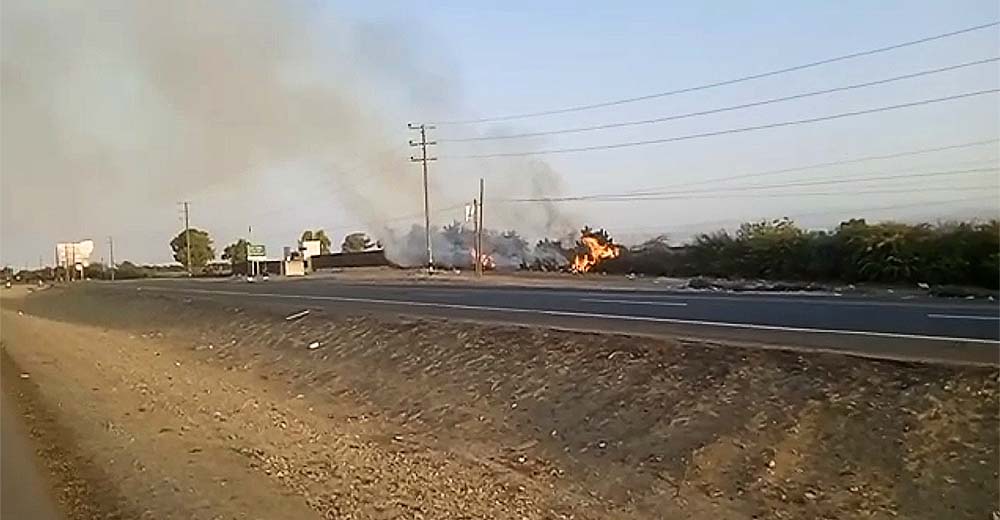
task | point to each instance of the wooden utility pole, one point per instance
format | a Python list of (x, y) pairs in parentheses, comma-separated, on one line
[(423, 159)]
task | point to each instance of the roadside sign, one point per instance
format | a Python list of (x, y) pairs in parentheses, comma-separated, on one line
[(256, 252)]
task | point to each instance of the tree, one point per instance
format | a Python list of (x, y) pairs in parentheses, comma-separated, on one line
[(95, 271), (127, 271), (775, 249), (356, 243), (201, 248), (319, 234), (236, 252)]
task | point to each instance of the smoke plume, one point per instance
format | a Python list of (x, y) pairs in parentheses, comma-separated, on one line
[(115, 110)]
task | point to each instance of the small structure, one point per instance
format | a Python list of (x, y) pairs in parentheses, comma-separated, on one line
[(293, 264)]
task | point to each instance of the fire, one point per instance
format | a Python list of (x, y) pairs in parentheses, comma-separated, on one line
[(488, 262), (597, 252)]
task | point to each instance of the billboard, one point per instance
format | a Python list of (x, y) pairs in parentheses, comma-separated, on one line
[(256, 252), (75, 253), (310, 248)]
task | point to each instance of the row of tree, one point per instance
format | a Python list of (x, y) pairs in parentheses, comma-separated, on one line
[(203, 249), (962, 253), (952, 253), (96, 271)]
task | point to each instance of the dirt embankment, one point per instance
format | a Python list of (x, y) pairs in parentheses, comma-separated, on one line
[(185, 408)]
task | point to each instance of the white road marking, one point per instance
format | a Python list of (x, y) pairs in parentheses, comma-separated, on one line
[(633, 302), (962, 317), (593, 315), (762, 297)]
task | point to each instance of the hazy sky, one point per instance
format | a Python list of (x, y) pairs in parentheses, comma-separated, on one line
[(288, 115)]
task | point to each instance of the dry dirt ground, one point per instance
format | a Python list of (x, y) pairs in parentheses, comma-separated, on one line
[(161, 406)]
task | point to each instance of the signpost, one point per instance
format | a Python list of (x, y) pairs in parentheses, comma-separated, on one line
[(255, 253)]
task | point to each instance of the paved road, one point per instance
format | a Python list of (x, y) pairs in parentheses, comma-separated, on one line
[(953, 330)]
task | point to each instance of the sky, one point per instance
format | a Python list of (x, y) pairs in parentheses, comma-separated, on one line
[(274, 117)]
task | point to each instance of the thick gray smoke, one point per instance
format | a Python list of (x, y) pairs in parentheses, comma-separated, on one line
[(454, 247), (115, 110)]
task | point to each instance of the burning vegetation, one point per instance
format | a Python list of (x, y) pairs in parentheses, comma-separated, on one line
[(489, 263), (454, 247), (593, 248)]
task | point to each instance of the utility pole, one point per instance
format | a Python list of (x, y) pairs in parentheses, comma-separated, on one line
[(249, 241), (111, 254), (476, 244), (187, 234), (423, 159), (479, 227)]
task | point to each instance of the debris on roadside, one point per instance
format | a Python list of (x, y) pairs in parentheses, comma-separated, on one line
[(297, 315), (524, 446)]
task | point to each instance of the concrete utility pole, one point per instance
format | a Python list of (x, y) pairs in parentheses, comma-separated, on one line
[(187, 234), (423, 159), (249, 241), (111, 255), (476, 245)]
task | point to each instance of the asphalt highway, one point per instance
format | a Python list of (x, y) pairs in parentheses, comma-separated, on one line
[(916, 329)]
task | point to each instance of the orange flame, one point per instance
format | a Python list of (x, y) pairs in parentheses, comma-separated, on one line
[(488, 262), (597, 252)]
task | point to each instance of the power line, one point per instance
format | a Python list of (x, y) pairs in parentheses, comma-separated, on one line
[(833, 211), (779, 124), (767, 173), (895, 206), (791, 194), (721, 109), (371, 223), (741, 79), (818, 182), (867, 158)]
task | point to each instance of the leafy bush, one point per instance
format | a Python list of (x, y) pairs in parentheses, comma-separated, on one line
[(963, 253)]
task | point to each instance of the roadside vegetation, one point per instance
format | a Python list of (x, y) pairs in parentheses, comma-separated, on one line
[(953, 253), (946, 255)]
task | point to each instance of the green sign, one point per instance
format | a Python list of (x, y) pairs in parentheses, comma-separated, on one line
[(255, 251)]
